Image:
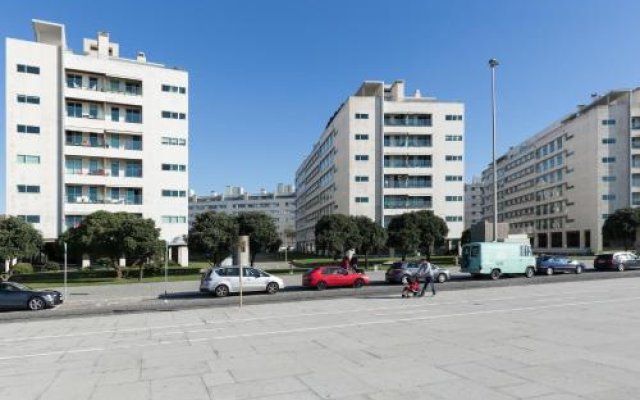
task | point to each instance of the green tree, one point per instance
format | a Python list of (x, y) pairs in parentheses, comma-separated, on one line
[(114, 236), (433, 231), (214, 235), (621, 226), (262, 232), (336, 234), (403, 234), (372, 236), (18, 239), (466, 236)]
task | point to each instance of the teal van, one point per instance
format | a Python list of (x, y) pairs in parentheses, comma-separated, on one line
[(498, 258)]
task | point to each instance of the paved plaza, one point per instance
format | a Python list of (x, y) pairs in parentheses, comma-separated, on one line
[(563, 341)]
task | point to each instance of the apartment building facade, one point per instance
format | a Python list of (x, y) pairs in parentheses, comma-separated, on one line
[(383, 154), (473, 202), (280, 205), (559, 186), (90, 130)]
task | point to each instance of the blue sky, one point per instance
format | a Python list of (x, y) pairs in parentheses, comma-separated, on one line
[(266, 75)]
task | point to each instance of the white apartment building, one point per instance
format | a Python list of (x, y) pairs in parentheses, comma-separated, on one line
[(382, 154), (90, 130), (560, 185), (473, 202), (280, 205)]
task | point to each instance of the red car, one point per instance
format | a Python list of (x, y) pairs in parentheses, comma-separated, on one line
[(332, 276)]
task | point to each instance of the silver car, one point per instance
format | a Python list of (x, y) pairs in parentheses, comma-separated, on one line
[(224, 280), (399, 272)]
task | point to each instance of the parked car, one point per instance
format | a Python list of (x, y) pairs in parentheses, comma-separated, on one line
[(620, 261), (399, 272), (552, 264), (333, 276), (15, 295), (498, 258), (224, 280)]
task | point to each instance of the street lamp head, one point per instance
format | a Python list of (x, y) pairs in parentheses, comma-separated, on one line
[(493, 63)]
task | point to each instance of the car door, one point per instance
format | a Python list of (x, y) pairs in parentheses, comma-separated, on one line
[(251, 280), (329, 276), (232, 278), (11, 296)]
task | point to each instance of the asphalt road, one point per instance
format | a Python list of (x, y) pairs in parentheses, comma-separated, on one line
[(121, 299)]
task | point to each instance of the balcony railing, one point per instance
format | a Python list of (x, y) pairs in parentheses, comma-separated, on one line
[(126, 200), (128, 90)]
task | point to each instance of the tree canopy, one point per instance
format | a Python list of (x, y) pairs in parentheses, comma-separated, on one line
[(214, 235), (621, 226), (372, 236), (262, 232), (18, 239), (416, 231), (336, 233), (114, 235)]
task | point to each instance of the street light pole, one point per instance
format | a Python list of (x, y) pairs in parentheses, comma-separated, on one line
[(493, 63), (65, 271), (166, 269)]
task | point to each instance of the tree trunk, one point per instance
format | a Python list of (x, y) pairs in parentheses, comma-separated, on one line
[(252, 257), (141, 272), (366, 260), (117, 268)]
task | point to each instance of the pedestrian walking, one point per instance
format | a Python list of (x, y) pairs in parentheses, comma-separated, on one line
[(426, 270), (354, 264)]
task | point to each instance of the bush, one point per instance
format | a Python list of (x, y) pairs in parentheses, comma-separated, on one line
[(51, 266), (23, 268)]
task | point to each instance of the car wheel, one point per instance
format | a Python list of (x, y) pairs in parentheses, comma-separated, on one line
[(358, 283), (321, 285), (549, 271), (442, 278), (36, 304), (529, 272), (495, 274), (621, 267), (272, 288), (221, 291), (579, 269)]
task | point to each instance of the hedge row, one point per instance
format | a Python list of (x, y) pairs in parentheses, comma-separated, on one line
[(316, 262)]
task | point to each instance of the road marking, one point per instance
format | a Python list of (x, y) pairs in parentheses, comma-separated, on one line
[(324, 327)]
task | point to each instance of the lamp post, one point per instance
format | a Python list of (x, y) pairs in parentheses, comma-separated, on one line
[(65, 271), (493, 63), (166, 268)]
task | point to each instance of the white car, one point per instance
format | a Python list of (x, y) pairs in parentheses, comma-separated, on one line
[(224, 280)]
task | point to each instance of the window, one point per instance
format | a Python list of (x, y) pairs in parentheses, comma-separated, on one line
[(609, 141), (72, 221), (73, 166), (608, 197), (27, 159), (93, 110), (28, 69), (573, 239), (74, 81), (114, 85), (31, 219), (174, 167), (556, 239), (174, 89), (542, 240), (174, 141), (362, 178), (133, 116), (135, 143), (362, 136), (31, 129), (453, 138), (28, 189), (407, 120), (453, 198), (115, 114), (587, 239), (453, 178), (28, 99), (362, 199), (609, 178), (115, 141), (93, 83), (608, 122), (362, 157), (453, 158), (453, 117), (174, 219), (453, 218), (74, 110), (362, 116), (173, 115), (133, 169), (133, 88), (115, 168), (608, 160), (174, 193)]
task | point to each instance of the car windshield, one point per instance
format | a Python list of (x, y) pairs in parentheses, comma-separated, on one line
[(20, 286), (397, 265)]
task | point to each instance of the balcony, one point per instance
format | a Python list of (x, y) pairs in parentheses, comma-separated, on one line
[(408, 120), (407, 202)]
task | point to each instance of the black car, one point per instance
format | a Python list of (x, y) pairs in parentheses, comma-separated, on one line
[(15, 295), (619, 261)]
